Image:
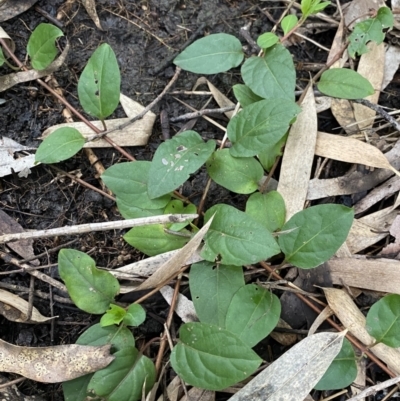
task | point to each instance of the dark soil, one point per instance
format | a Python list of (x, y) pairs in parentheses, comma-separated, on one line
[(143, 34)]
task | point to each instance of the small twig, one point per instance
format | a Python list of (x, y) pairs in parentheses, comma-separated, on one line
[(11, 383), (142, 113), (392, 121), (200, 113), (109, 225), (374, 389), (30, 300), (245, 32), (53, 20)]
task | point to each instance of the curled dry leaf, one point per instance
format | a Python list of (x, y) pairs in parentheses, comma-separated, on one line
[(7, 81), (15, 309), (53, 364)]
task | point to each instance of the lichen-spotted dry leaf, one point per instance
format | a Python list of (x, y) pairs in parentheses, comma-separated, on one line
[(136, 134), (350, 150), (179, 259), (53, 364), (298, 157), (293, 375), (90, 6), (15, 309), (354, 320)]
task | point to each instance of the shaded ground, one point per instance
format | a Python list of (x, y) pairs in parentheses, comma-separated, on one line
[(142, 34)]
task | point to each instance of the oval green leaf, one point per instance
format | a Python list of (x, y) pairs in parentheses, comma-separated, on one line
[(62, 144), (91, 289), (125, 377), (244, 95), (133, 212), (99, 83), (114, 315), (253, 314), (268, 156), (175, 160), (119, 337), (176, 206), (259, 125), (135, 315), (344, 84), (235, 238), (267, 39), (212, 288), (342, 371), (212, 358), (129, 182), (41, 45), (383, 320), (288, 23), (272, 76), (153, 240), (238, 174), (212, 54), (315, 234), (269, 209)]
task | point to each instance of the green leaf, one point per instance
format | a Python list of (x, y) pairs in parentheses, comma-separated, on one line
[(315, 234), (253, 314), (132, 212), (267, 39), (2, 58), (119, 337), (176, 206), (212, 358), (244, 95), (385, 16), (342, 371), (288, 23), (344, 84), (259, 125), (238, 174), (269, 209), (309, 7), (268, 156), (41, 46), (236, 238), (124, 378), (114, 315), (175, 160), (212, 288), (383, 320), (153, 240), (99, 83), (129, 182), (91, 289), (62, 144), (135, 315), (272, 76), (212, 54)]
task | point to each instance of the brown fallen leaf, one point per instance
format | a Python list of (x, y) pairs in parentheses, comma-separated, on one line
[(298, 157), (15, 309), (354, 320), (90, 7), (53, 364)]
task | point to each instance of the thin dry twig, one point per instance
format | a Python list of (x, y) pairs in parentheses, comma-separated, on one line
[(374, 389), (200, 113), (109, 225)]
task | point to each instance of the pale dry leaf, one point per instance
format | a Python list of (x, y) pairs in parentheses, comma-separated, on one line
[(199, 394), (298, 157), (359, 382), (372, 67), (323, 103), (396, 9), (359, 10), (136, 134), (173, 265), (218, 96), (23, 248), (285, 339), (343, 112), (326, 312), (10, 43), (9, 80), (53, 364), (353, 319), (393, 249), (296, 372), (379, 274), (350, 150), (392, 63), (15, 309), (184, 307), (90, 7), (337, 45), (370, 229), (174, 389), (10, 9)]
